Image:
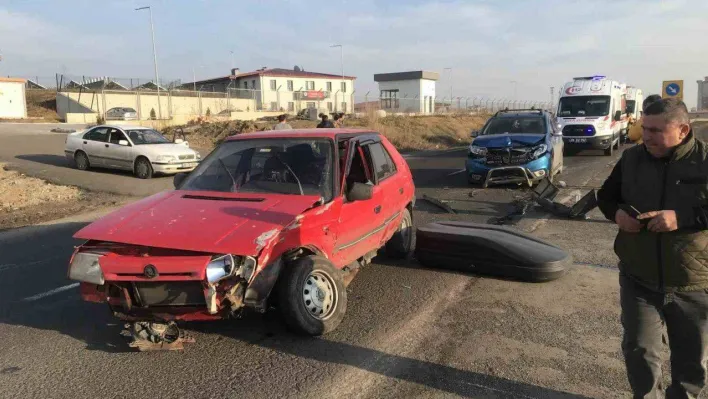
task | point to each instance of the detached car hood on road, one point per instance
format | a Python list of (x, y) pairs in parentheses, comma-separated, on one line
[(200, 221), (508, 140)]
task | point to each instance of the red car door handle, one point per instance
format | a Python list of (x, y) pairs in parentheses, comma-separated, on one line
[(400, 190), (377, 209)]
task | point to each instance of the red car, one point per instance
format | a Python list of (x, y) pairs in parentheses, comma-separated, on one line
[(278, 218)]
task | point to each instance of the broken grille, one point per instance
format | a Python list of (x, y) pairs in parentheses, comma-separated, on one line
[(508, 156)]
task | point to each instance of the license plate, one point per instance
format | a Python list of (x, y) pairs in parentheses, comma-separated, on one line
[(579, 141), (189, 165)]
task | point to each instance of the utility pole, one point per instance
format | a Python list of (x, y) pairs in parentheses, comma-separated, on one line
[(341, 55), (232, 60), (450, 69), (154, 55), (514, 82), (552, 97)]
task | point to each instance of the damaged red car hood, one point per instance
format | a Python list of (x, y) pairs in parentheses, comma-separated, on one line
[(236, 223)]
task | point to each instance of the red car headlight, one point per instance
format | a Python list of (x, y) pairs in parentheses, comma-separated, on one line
[(85, 267)]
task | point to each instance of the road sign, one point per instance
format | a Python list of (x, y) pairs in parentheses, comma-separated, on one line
[(672, 89)]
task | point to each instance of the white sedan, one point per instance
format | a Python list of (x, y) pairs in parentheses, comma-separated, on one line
[(142, 150)]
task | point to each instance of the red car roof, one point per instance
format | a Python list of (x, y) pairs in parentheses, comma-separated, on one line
[(314, 133)]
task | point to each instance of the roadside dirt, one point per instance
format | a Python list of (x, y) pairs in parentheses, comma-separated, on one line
[(27, 200), (42, 104), (407, 133)]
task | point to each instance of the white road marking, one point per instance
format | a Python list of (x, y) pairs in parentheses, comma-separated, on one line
[(457, 172), (50, 292)]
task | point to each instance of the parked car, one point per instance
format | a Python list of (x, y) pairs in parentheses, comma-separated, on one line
[(142, 150), (280, 218), (121, 113), (515, 146)]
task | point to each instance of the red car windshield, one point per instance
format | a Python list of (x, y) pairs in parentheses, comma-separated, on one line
[(275, 166)]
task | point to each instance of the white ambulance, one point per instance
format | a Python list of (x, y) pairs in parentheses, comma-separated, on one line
[(592, 113), (635, 97)]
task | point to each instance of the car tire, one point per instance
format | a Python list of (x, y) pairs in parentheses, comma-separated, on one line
[(609, 150), (402, 243), (81, 161), (143, 168), (311, 296)]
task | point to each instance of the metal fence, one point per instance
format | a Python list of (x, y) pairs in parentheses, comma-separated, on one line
[(60, 82), (433, 105)]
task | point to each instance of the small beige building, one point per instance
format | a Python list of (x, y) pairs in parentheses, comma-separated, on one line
[(13, 102)]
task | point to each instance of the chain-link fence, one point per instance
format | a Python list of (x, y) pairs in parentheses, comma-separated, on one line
[(431, 105)]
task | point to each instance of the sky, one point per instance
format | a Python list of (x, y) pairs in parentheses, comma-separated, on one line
[(488, 44)]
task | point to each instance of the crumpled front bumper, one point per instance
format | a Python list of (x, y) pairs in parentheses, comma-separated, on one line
[(528, 173)]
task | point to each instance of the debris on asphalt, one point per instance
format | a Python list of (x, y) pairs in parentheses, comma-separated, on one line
[(545, 193), (438, 203), (562, 184), (62, 130), (521, 206)]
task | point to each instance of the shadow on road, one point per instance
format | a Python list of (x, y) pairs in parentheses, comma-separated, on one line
[(46, 159), (267, 332), (62, 162)]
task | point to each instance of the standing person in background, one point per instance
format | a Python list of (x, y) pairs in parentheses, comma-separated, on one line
[(326, 123), (657, 194), (337, 121), (282, 123), (635, 131)]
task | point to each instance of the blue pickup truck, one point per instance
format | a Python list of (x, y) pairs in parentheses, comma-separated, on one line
[(515, 146)]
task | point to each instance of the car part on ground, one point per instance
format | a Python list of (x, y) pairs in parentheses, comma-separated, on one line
[(489, 250), (154, 336), (545, 193), (447, 208)]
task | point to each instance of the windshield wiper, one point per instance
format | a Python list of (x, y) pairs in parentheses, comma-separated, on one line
[(291, 171), (233, 181)]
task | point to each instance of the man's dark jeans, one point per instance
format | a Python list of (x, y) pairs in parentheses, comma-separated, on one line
[(685, 315)]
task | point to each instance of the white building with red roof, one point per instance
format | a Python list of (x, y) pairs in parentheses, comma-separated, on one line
[(287, 90)]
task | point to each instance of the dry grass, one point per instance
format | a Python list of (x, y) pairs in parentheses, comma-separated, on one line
[(407, 133), (42, 104)]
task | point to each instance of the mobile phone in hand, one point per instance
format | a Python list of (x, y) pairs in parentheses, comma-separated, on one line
[(630, 210)]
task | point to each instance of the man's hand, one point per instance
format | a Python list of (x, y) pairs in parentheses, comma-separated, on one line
[(661, 221), (626, 222)]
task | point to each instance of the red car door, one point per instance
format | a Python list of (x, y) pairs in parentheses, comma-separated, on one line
[(391, 183), (360, 222)]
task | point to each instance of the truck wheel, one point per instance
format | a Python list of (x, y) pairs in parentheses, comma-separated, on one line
[(81, 161), (143, 169), (312, 296), (403, 240)]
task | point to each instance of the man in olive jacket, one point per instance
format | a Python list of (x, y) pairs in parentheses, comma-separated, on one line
[(658, 196)]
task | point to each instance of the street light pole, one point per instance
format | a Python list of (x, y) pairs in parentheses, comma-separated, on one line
[(154, 55), (450, 69), (232, 60), (341, 54)]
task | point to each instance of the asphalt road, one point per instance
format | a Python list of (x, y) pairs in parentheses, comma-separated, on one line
[(409, 331), (35, 150)]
